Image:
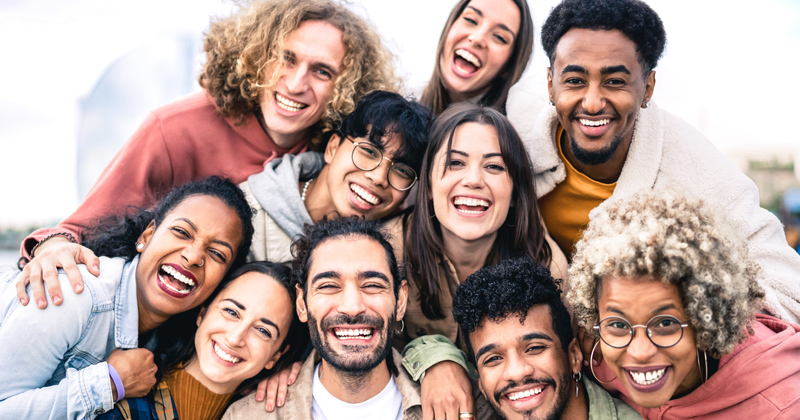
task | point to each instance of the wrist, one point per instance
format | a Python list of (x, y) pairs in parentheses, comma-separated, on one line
[(56, 237), (117, 388)]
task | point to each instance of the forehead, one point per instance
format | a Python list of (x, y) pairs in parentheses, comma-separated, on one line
[(596, 49), (349, 256), (498, 12), (509, 332), (261, 295), (318, 42), (474, 138), (209, 215), (637, 298)]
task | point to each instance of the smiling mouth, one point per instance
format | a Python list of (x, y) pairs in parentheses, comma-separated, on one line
[(518, 395), (353, 334), (288, 104), (470, 205), (174, 280), (364, 196), (647, 378), (222, 354), (590, 123), (466, 61)]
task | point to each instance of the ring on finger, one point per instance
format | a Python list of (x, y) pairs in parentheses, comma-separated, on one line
[(465, 416)]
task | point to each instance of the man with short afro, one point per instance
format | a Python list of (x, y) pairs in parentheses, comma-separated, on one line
[(602, 139)]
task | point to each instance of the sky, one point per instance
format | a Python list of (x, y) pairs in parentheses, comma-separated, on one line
[(728, 69)]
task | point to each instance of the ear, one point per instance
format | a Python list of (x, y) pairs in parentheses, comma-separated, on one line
[(575, 356), (649, 87), (144, 238), (200, 315), (402, 300), (300, 305), (550, 83), (332, 147), (271, 362)]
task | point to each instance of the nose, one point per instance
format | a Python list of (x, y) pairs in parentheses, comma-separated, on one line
[(641, 348), (236, 334), (478, 37), (594, 101), (517, 369), (473, 177), (380, 175), (296, 79), (194, 254), (352, 302)]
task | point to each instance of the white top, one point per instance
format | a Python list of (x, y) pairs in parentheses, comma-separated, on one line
[(388, 404)]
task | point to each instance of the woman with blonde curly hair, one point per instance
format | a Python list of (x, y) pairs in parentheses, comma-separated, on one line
[(277, 73), (671, 298)]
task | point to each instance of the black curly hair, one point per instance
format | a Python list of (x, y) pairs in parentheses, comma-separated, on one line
[(116, 236), (634, 18), (313, 235), (509, 288)]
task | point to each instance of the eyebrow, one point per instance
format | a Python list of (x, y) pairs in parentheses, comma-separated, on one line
[(371, 274), (465, 154), (527, 337), (499, 25), (216, 241), (325, 275), (264, 320), (614, 69), (573, 68)]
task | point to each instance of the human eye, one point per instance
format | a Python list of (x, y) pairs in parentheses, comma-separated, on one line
[(324, 74), (501, 39), (616, 326), (368, 151), (327, 288), (403, 171), (495, 167), (230, 312), (491, 360), (219, 256), (469, 20), (288, 58), (374, 287), (615, 82), (535, 349), (264, 332), (573, 81), (179, 231), (455, 162)]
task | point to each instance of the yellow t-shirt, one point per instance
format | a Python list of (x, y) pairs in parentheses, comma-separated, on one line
[(565, 210)]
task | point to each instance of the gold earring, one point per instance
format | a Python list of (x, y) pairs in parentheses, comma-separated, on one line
[(591, 365)]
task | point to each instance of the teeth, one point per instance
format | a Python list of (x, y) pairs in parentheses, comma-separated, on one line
[(524, 394), (350, 334), (466, 55), (177, 275), (472, 202), (287, 103), (225, 356), (591, 123), (647, 378), (364, 195)]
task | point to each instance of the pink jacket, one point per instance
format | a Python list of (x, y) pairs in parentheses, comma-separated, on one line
[(759, 380), (177, 143)]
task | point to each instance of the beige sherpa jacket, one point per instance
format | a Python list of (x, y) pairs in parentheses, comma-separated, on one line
[(667, 153)]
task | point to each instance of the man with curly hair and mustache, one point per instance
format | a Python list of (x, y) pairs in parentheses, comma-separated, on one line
[(277, 74)]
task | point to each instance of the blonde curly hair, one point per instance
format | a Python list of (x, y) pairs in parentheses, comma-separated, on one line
[(676, 240), (243, 48)]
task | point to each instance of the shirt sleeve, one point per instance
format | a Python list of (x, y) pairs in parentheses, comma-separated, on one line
[(34, 345), (428, 350), (140, 172)]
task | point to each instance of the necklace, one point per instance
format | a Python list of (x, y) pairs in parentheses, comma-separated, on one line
[(305, 188)]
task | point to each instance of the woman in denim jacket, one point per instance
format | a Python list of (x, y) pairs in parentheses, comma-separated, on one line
[(61, 362)]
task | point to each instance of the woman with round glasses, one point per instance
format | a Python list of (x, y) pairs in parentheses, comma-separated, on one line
[(369, 164), (671, 298), (476, 206)]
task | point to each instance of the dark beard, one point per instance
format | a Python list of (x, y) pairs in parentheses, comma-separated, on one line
[(562, 397), (352, 366), (598, 157)]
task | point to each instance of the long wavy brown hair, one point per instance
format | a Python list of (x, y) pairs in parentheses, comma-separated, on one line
[(242, 50), (522, 233), (435, 94)]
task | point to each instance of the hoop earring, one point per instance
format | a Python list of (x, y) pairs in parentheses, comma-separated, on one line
[(705, 357), (591, 365), (577, 377), (402, 327)]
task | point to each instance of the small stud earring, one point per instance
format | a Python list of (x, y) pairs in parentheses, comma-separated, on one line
[(646, 104), (551, 103), (139, 246)]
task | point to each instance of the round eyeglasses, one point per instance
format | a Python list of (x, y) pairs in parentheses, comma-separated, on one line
[(662, 330), (366, 156)]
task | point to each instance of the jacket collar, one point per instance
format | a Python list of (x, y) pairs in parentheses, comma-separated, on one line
[(126, 308)]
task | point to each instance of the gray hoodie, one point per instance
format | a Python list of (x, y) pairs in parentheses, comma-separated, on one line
[(281, 214)]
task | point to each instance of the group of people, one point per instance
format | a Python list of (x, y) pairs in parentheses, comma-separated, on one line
[(302, 241)]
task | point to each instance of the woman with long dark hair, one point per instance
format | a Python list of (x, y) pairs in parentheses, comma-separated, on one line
[(66, 361), (476, 205), (483, 50)]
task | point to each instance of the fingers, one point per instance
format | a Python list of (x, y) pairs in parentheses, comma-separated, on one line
[(427, 412), (92, 262), (272, 392), (283, 384), (261, 389), (296, 366), (36, 282), (22, 283)]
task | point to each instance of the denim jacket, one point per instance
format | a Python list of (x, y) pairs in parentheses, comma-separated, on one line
[(52, 361)]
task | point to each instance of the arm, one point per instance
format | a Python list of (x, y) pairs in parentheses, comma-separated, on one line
[(139, 173), (35, 381)]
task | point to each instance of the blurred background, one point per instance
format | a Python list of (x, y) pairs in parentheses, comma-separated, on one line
[(78, 77)]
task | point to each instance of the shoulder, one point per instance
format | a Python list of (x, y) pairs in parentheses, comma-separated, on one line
[(394, 231), (248, 408), (189, 107), (602, 405)]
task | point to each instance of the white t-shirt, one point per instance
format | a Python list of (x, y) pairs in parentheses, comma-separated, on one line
[(388, 404)]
